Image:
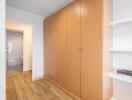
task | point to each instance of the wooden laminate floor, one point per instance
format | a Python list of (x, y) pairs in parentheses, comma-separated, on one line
[(20, 87)]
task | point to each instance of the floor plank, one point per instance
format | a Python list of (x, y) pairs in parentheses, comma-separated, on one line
[(20, 87)]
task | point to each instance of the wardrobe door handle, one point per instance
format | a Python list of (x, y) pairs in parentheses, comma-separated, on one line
[(55, 49), (79, 49)]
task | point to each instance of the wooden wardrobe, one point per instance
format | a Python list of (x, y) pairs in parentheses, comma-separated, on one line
[(73, 49)]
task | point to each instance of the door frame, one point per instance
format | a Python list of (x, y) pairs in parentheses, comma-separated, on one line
[(18, 22)]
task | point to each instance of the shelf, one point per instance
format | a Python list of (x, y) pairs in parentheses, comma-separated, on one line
[(124, 21), (125, 78), (114, 98), (120, 50)]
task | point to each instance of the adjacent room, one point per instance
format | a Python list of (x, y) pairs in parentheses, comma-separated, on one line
[(14, 46), (19, 47), (65, 50)]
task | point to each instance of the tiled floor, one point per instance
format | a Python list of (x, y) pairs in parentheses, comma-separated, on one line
[(13, 70)]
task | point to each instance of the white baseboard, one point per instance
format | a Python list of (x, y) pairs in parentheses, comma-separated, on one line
[(38, 78), (114, 98), (27, 69)]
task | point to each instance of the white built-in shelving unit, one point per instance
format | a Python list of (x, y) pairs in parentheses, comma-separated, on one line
[(121, 22), (122, 49)]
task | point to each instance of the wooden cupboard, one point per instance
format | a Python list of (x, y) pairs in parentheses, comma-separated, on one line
[(75, 63), (91, 56), (50, 49), (73, 48), (61, 47)]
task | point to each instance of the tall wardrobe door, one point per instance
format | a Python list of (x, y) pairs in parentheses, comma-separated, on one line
[(51, 53), (73, 48), (61, 47), (91, 40)]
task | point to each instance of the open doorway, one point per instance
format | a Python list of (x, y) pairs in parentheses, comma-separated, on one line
[(14, 52), (18, 48)]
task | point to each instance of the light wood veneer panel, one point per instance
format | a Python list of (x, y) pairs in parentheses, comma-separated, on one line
[(61, 47), (73, 48), (91, 59), (75, 63), (51, 40)]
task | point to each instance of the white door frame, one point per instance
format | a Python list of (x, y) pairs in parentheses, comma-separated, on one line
[(2, 51), (23, 38)]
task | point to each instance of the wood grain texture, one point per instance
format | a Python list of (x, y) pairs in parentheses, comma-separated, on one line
[(50, 53), (82, 56), (91, 56), (61, 47), (73, 48), (20, 87)]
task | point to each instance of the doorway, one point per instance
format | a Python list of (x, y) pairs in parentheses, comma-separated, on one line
[(18, 47), (14, 52)]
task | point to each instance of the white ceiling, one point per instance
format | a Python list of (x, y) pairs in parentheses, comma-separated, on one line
[(43, 8)]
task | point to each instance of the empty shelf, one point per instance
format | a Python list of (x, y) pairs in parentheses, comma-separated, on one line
[(124, 21), (120, 50)]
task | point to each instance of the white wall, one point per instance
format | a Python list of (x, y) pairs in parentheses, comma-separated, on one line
[(2, 50), (27, 42), (37, 24)]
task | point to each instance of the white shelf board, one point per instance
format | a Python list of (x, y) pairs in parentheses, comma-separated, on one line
[(121, 50), (125, 78), (115, 23), (114, 98)]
